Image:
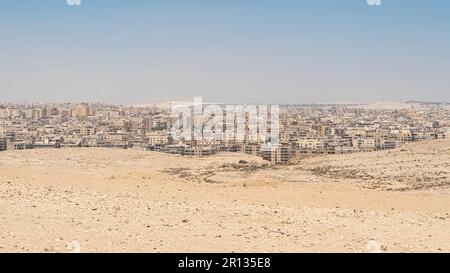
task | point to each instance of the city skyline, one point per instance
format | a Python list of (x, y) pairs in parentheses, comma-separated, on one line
[(235, 51)]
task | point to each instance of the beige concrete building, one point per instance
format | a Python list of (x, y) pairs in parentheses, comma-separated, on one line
[(156, 138), (277, 155), (3, 144)]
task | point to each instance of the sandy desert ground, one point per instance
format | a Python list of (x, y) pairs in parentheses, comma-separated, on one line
[(106, 200)]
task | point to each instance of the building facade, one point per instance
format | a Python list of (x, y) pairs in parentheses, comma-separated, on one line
[(3, 144)]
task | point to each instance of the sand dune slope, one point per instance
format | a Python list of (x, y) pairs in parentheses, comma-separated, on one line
[(107, 200)]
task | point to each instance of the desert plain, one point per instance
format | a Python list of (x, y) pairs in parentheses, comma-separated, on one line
[(113, 200)]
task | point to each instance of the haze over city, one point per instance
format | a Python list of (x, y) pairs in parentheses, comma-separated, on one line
[(266, 51)]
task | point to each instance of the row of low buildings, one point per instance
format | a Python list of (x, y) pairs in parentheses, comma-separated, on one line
[(304, 129)]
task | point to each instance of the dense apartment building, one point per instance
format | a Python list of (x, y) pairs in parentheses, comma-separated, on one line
[(281, 154)]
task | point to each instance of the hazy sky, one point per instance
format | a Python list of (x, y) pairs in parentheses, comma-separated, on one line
[(254, 51)]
